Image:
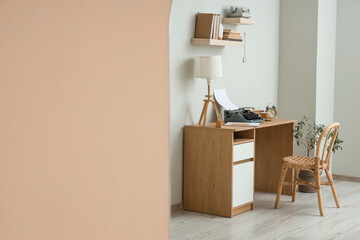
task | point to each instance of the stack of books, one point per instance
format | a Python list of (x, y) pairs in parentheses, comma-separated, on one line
[(232, 35), (207, 25)]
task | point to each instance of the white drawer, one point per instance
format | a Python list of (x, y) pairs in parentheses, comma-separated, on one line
[(243, 151), (243, 183)]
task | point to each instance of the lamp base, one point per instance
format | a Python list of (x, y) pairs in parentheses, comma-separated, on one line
[(219, 122)]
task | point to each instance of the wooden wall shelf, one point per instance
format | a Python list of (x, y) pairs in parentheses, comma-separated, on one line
[(214, 42), (239, 21)]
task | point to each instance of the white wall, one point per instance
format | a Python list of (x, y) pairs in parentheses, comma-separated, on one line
[(298, 46), (307, 61), (325, 64), (251, 84), (297, 64), (347, 86)]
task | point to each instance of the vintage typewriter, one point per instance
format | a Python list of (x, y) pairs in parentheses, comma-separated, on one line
[(242, 115)]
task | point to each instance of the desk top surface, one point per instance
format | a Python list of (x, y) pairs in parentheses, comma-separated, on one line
[(271, 123)]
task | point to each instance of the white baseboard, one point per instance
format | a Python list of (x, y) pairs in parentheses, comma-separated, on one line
[(177, 207), (346, 178)]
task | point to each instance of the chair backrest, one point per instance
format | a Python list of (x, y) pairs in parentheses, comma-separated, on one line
[(325, 149)]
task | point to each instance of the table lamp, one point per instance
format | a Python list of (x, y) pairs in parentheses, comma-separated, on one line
[(209, 67)]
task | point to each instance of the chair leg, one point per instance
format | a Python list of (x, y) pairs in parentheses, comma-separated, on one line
[(281, 180), (296, 175), (318, 190), (329, 176)]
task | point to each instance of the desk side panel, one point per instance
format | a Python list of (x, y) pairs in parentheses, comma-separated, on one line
[(271, 145), (208, 170)]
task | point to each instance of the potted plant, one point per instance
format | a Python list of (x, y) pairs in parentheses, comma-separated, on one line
[(307, 134)]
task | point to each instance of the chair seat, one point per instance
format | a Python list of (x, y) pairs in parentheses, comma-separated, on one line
[(299, 162)]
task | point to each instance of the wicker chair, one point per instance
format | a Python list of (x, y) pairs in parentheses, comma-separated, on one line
[(316, 165)]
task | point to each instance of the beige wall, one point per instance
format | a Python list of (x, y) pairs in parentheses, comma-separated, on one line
[(83, 155), (248, 84)]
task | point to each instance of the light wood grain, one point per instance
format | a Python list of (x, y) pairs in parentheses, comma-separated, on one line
[(331, 181), (205, 112), (243, 161), (239, 21), (245, 134), (203, 115), (208, 151), (296, 177), (242, 140), (292, 221), (215, 42), (280, 186), (275, 122), (208, 170), (272, 143), (243, 208), (217, 114)]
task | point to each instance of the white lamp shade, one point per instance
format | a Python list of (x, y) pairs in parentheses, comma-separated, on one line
[(208, 67)]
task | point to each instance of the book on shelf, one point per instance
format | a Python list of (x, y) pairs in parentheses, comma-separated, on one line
[(231, 35), (207, 25), (204, 25), (230, 31), (217, 26), (215, 29), (232, 39)]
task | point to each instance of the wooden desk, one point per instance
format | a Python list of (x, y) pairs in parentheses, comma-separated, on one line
[(219, 175)]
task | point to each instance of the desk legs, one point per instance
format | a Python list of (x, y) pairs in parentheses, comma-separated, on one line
[(271, 145)]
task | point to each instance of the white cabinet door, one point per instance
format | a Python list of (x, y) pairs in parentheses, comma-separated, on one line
[(243, 151), (243, 183)]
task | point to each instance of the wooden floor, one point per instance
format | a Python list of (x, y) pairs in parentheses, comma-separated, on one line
[(299, 220)]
